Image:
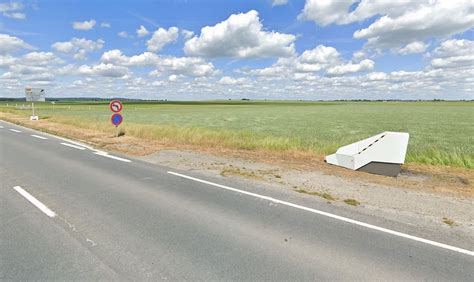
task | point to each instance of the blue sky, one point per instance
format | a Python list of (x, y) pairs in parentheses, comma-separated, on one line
[(268, 49)]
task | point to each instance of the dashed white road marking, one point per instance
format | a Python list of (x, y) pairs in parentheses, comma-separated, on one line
[(323, 213), (104, 154), (15, 130), (1, 126), (39, 137), (42, 207), (73, 146)]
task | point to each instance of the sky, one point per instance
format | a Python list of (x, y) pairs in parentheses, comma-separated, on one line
[(234, 49)]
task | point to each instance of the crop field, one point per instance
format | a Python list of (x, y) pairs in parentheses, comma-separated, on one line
[(441, 133)]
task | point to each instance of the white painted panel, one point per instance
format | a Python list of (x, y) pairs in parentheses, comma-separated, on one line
[(386, 147)]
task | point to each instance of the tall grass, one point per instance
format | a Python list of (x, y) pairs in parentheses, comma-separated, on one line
[(440, 133)]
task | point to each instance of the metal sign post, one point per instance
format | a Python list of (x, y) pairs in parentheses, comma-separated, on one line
[(34, 95)]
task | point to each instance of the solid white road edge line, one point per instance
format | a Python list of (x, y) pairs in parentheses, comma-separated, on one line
[(105, 154), (53, 136), (15, 130), (39, 137), (35, 201), (62, 138), (341, 218), (73, 146)]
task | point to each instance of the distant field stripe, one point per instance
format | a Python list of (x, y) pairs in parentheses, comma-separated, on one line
[(15, 130), (334, 216), (42, 207), (104, 154), (39, 137), (73, 146)]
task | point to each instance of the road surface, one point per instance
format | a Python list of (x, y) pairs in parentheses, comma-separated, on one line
[(68, 211)]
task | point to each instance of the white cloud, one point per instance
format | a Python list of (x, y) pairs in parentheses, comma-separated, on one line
[(123, 34), (398, 23), (366, 9), (454, 54), (320, 55), (7, 61), (455, 47), (37, 67), (98, 81), (190, 66), (173, 78), (102, 69), (158, 83), (412, 48), (88, 45), (142, 31), (41, 58), (12, 10), (27, 69), (377, 76), (325, 12), (279, 2), (10, 44), (272, 71), (162, 37), (116, 57), (78, 47), (64, 47), (105, 25), (187, 34), (10, 6), (323, 59), (227, 80), (85, 25), (343, 69), (305, 76), (317, 59), (16, 15), (41, 77), (439, 18), (241, 36), (359, 55)]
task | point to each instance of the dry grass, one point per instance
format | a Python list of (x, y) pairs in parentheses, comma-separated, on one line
[(453, 181), (448, 221), (189, 136), (249, 173), (236, 171), (323, 195), (352, 202)]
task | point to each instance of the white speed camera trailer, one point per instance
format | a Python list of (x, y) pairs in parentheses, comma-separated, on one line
[(34, 95), (382, 154)]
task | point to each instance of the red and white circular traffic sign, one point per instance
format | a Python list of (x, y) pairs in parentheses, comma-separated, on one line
[(115, 106)]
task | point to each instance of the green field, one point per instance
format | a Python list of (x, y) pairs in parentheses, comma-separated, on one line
[(441, 133)]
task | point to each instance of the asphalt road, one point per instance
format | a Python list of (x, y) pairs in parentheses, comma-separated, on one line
[(70, 212)]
